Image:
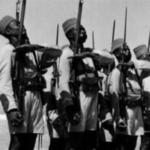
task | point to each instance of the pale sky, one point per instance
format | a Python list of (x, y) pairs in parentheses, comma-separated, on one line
[(42, 17)]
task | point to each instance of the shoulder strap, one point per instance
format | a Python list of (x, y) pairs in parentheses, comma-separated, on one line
[(138, 77)]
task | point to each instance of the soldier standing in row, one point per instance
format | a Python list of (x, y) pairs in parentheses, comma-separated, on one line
[(83, 123), (22, 68), (142, 53), (81, 110), (107, 133), (128, 104)]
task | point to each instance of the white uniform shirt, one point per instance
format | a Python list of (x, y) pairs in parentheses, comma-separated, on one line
[(6, 90)]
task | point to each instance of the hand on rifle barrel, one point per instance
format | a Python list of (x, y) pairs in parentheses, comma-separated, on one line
[(15, 117), (127, 65)]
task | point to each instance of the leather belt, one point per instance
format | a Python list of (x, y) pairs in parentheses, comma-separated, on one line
[(90, 75), (135, 103)]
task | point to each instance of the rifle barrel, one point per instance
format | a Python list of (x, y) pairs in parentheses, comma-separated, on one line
[(93, 41), (17, 10), (148, 43), (125, 28), (78, 25), (113, 34), (57, 35), (22, 20)]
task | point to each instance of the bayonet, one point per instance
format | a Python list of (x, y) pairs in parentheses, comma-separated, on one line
[(93, 43), (123, 85), (113, 33), (125, 28), (57, 35), (148, 43), (125, 34), (78, 25), (22, 21), (17, 10)]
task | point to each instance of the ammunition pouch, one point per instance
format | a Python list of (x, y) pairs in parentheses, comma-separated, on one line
[(36, 83), (90, 84), (135, 103)]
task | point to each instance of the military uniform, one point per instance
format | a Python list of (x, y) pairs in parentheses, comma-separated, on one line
[(88, 99), (145, 81), (23, 84), (131, 107), (6, 89)]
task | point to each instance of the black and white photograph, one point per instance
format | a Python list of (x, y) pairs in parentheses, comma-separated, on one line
[(74, 74)]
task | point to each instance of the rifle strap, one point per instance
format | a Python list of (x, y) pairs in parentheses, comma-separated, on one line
[(139, 80), (35, 58)]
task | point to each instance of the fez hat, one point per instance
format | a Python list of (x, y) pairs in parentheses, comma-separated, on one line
[(116, 44), (69, 24), (4, 22), (140, 50)]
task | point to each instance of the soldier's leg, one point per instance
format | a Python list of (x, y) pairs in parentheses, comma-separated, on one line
[(90, 140), (57, 144), (15, 141), (75, 141), (122, 141), (107, 146), (22, 141), (145, 145), (91, 132), (28, 141), (131, 142)]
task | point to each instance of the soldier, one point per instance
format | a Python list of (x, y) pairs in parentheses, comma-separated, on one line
[(81, 109), (56, 124), (20, 68), (127, 104), (107, 134), (141, 53), (82, 123)]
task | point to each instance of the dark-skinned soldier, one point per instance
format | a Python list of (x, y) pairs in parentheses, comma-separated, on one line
[(83, 121), (19, 68), (126, 107)]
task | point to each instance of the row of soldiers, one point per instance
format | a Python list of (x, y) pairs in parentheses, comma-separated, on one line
[(93, 102)]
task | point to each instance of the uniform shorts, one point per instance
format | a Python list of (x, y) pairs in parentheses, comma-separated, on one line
[(32, 115), (134, 119), (89, 112)]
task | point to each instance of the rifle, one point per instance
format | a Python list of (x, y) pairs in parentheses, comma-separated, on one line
[(55, 78), (19, 68), (93, 43), (74, 85), (123, 89), (113, 33), (21, 21), (78, 26), (17, 10), (105, 104), (109, 66), (57, 35), (76, 50), (148, 42)]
